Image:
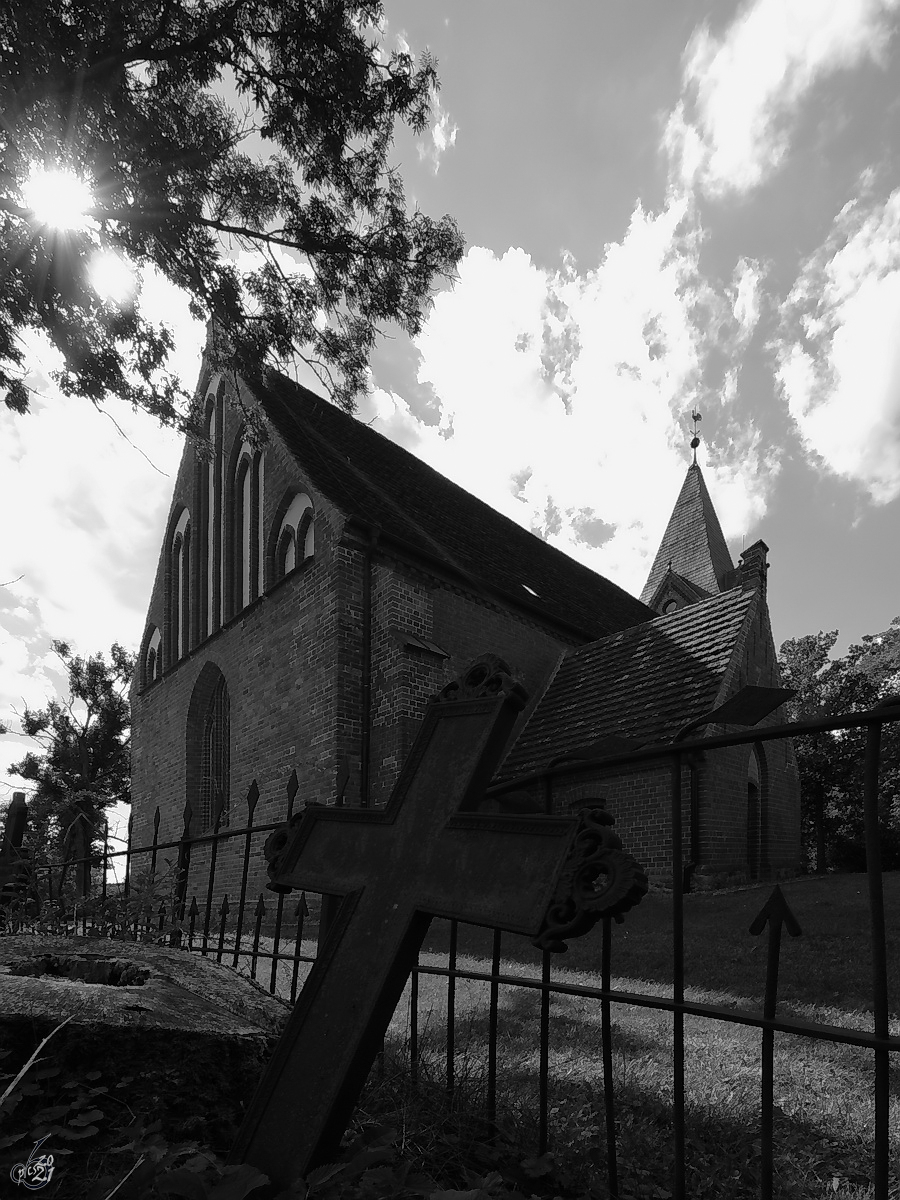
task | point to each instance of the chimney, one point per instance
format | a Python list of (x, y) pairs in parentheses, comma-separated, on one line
[(753, 567)]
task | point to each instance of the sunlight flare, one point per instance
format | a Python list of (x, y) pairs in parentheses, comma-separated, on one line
[(112, 278), (58, 198)]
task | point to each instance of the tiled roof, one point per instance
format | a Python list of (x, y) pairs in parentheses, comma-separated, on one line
[(644, 683), (368, 476), (693, 544)]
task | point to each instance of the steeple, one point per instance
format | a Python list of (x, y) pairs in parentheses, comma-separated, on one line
[(693, 560)]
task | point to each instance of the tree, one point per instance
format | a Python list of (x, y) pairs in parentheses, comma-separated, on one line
[(84, 764), (831, 762), (127, 98)]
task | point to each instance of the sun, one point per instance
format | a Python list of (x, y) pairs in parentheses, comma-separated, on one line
[(58, 198)]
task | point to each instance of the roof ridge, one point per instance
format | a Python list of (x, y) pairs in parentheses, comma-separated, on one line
[(424, 512)]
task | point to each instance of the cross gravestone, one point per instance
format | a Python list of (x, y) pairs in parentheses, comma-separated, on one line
[(13, 862), (427, 853)]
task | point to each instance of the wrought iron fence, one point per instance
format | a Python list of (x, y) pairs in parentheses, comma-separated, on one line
[(277, 935)]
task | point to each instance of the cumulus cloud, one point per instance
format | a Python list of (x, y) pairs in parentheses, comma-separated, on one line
[(741, 91), (837, 351), (86, 495), (563, 395), (441, 135)]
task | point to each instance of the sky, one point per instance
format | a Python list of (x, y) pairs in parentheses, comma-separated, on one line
[(667, 207)]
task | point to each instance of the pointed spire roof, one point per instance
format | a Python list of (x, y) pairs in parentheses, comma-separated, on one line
[(693, 545)]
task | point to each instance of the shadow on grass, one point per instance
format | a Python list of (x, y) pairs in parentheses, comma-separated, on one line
[(821, 1139), (828, 965)]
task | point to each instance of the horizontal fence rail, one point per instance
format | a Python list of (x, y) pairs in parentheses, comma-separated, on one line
[(274, 941)]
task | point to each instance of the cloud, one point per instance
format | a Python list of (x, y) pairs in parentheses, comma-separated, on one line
[(86, 495), (741, 91), (837, 353), (442, 135), (563, 395)]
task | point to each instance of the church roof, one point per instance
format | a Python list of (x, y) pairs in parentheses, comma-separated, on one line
[(368, 476), (644, 683), (693, 544)]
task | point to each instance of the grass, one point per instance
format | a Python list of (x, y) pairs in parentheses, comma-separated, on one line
[(823, 1091)]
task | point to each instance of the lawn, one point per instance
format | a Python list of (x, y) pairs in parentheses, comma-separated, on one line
[(823, 1091)]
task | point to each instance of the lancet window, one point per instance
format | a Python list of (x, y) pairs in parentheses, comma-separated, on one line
[(180, 587), (215, 778), (246, 514), (152, 655), (295, 541)]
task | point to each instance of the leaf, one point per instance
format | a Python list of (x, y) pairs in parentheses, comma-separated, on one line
[(324, 1173), (537, 1167), (238, 1182), (74, 1135), (85, 1118), (9, 1139), (50, 1114), (181, 1183), (477, 1194)]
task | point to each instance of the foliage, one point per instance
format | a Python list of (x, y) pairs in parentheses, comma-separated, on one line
[(293, 166), (831, 762), (84, 763)]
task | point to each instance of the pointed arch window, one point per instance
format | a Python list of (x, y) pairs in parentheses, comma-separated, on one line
[(180, 587), (152, 664), (245, 527), (296, 536), (215, 766)]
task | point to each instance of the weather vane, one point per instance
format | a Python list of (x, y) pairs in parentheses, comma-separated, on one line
[(695, 440)]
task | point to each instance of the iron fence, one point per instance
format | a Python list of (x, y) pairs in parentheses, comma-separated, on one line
[(277, 935)]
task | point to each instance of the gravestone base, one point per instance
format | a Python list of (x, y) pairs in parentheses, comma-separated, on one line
[(194, 1035)]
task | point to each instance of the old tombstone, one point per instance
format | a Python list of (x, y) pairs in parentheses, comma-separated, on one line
[(193, 1034), (428, 853), (13, 863)]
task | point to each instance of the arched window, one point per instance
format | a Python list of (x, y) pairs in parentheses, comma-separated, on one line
[(215, 780), (152, 664), (180, 587), (296, 536), (246, 519)]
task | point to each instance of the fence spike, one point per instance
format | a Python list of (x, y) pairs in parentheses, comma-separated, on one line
[(155, 820), (252, 798), (302, 906), (186, 816), (223, 907), (293, 788), (194, 911), (260, 910)]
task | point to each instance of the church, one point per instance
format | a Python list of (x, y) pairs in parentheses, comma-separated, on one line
[(314, 591)]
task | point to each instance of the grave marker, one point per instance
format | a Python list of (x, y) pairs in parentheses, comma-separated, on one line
[(427, 853)]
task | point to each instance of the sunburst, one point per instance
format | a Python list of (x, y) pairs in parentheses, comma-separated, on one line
[(58, 198)]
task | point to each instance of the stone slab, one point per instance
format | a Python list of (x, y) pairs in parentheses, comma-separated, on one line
[(194, 1034)]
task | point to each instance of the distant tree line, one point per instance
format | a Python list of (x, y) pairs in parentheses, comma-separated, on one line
[(831, 764), (83, 763)]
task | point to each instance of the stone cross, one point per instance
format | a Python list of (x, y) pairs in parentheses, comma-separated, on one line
[(427, 853), (12, 860)]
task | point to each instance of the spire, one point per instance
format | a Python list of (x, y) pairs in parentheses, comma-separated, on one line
[(693, 555)]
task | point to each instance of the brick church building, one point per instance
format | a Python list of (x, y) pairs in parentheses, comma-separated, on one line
[(313, 592)]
